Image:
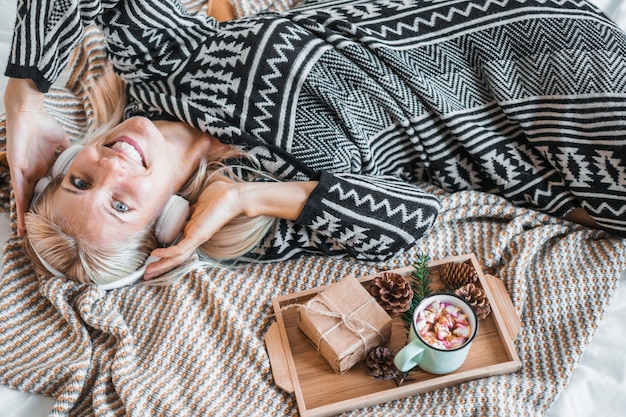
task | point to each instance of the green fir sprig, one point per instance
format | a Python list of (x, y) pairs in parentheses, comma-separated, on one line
[(420, 284)]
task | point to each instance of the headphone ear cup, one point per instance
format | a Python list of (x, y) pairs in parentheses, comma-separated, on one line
[(172, 220), (39, 187), (60, 166), (64, 160)]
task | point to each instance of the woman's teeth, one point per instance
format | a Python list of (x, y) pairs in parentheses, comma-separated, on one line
[(129, 150)]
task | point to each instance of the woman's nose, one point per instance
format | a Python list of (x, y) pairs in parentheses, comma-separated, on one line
[(112, 167)]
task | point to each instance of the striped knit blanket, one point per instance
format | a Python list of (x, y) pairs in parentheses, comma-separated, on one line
[(196, 348)]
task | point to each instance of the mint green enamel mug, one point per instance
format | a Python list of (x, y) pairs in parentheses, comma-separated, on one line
[(442, 331)]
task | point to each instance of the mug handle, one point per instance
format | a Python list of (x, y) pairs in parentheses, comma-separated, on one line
[(409, 356)]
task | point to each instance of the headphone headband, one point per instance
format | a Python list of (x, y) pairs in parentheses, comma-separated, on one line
[(122, 282)]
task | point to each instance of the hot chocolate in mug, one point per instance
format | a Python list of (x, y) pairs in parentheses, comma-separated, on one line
[(442, 331)]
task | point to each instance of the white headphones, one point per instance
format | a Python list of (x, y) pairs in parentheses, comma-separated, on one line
[(168, 229)]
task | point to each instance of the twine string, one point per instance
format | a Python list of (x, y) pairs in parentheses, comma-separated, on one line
[(351, 321)]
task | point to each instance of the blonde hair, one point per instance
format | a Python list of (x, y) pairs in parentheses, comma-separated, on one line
[(87, 263), (55, 241)]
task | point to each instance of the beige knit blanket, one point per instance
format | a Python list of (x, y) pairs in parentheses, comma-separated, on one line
[(196, 348)]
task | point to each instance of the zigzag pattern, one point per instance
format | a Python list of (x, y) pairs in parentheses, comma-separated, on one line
[(462, 94), (389, 208), (461, 76), (273, 81)]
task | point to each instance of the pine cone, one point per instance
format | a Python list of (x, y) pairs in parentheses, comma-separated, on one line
[(476, 297), (380, 363), (455, 274), (392, 291)]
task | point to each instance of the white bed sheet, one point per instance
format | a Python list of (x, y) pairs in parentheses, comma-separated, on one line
[(597, 387)]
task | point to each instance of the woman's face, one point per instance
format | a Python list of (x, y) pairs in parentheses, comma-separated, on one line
[(120, 183)]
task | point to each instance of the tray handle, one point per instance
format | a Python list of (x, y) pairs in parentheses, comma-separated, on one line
[(278, 359), (512, 322)]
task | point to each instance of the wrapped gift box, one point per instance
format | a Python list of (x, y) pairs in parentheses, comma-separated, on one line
[(344, 322)]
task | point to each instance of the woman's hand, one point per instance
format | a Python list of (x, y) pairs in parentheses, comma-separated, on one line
[(221, 202), (217, 205), (33, 136)]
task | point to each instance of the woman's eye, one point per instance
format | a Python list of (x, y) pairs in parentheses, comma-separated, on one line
[(79, 183), (121, 207)]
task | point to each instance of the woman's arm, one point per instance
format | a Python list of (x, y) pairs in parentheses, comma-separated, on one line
[(284, 200), (221, 202), (45, 33), (368, 217)]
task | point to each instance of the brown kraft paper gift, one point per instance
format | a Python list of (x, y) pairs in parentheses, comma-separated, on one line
[(344, 322)]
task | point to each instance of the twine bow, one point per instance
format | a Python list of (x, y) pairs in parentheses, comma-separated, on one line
[(353, 323)]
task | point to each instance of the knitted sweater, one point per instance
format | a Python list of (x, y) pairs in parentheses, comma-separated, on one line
[(372, 98)]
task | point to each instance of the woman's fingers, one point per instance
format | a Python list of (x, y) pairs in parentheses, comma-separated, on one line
[(20, 186), (32, 138), (171, 257), (215, 208), (160, 267), (176, 255)]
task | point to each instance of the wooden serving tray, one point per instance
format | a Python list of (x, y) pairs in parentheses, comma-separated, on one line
[(298, 368)]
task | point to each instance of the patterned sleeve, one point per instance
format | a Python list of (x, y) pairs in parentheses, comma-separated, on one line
[(45, 34), (368, 217)]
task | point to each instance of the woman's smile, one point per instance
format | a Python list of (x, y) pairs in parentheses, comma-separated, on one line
[(130, 148)]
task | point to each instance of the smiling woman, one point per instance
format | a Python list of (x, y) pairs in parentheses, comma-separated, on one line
[(126, 179), (129, 174), (353, 145)]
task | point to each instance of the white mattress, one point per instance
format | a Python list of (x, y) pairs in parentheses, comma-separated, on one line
[(597, 387)]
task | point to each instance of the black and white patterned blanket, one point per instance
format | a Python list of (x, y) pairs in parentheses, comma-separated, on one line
[(523, 99)]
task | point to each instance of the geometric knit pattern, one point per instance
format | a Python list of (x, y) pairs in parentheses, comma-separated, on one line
[(367, 216), (522, 99), (252, 7)]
